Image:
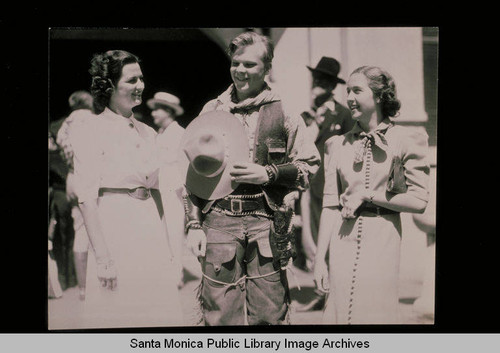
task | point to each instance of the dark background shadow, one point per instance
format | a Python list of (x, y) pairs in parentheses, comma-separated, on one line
[(184, 62)]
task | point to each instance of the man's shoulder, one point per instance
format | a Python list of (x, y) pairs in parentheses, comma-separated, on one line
[(211, 105)]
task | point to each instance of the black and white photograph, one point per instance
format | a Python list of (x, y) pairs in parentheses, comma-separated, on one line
[(242, 176)]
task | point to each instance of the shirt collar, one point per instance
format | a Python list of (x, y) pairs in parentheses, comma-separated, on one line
[(111, 115), (382, 126)]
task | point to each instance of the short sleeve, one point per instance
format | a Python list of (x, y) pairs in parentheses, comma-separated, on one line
[(331, 190), (87, 158), (416, 165)]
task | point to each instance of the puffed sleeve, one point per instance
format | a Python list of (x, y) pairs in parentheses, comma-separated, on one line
[(87, 149), (414, 156), (331, 190)]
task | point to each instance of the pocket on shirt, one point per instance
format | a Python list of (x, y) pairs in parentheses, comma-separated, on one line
[(276, 151)]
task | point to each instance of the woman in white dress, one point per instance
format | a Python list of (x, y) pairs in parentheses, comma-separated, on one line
[(130, 274)]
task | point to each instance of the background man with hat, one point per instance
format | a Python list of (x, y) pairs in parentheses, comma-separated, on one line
[(240, 171), (326, 118), (165, 108)]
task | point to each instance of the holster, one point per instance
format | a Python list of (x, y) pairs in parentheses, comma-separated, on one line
[(282, 238), (192, 208)]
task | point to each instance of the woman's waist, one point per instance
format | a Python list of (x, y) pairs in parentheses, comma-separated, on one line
[(130, 181)]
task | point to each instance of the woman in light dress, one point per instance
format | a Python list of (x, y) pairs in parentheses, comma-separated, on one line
[(130, 276), (372, 173)]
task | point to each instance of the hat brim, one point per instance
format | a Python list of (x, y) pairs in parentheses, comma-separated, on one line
[(213, 188), (152, 103), (328, 73)]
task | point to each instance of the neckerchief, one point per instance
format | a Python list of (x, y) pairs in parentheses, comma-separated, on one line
[(228, 100), (375, 137)]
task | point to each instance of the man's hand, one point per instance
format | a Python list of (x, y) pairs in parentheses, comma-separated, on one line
[(197, 242), (290, 198), (248, 173)]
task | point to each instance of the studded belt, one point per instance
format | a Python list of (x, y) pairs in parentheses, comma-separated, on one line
[(240, 205)]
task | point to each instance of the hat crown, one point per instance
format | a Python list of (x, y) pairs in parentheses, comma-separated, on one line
[(167, 97), (211, 143), (328, 65), (206, 153)]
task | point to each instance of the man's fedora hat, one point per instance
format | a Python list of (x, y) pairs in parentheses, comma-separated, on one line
[(211, 144), (328, 66), (168, 100)]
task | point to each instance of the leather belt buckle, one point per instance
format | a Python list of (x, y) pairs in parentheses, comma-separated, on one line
[(236, 205), (140, 193)]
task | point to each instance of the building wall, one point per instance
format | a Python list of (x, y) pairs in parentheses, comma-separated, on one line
[(398, 50)]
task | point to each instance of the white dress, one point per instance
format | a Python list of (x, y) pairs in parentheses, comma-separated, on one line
[(365, 251), (119, 153)]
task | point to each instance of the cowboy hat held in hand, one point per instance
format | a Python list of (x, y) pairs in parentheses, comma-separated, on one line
[(212, 143)]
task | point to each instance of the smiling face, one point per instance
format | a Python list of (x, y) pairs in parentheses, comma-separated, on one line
[(248, 70), (128, 90), (360, 98)]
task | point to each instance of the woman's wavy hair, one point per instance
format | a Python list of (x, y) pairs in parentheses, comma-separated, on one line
[(106, 70), (249, 38), (383, 86)]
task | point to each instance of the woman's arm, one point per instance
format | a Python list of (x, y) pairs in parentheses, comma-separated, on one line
[(330, 216), (416, 173), (93, 226), (397, 202), (106, 271)]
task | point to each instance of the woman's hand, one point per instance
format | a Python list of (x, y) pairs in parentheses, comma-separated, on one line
[(106, 273), (321, 276), (196, 241), (351, 205), (249, 173)]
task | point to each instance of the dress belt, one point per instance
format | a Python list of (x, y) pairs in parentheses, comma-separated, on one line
[(141, 193), (373, 210)]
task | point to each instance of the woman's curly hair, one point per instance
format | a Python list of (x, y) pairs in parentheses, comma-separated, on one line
[(383, 86), (106, 70)]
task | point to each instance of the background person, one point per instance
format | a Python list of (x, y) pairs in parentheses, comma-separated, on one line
[(326, 118), (81, 104), (372, 173), (165, 109)]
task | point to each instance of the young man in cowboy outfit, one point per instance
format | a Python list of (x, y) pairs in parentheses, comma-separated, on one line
[(326, 118), (235, 232)]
